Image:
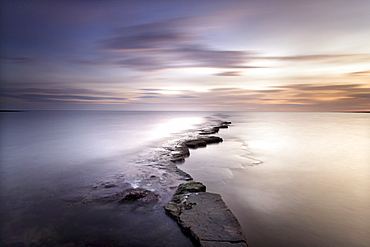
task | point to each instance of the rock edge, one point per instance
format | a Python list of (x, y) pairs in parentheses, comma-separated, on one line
[(201, 215), (204, 217)]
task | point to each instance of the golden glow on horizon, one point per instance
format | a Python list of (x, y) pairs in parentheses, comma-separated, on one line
[(174, 126), (260, 56)]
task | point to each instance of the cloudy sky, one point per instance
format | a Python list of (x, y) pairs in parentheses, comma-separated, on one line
[(266, 55)]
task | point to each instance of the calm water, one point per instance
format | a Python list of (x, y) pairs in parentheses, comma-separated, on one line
[(55, 168), (292, 179)]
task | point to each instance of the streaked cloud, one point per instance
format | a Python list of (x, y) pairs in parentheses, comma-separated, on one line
[(360, 73), (323, 57), (18, 60), (148, 36), (62, 96), (293, 97), (160, 46), (302, 97), (229, 73), (215, 55)]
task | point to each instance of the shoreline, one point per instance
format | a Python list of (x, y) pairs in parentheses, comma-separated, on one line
[(203, 216)]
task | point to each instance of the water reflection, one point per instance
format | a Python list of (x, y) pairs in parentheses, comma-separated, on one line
[(175, 125), (54, 168), (310, 190)]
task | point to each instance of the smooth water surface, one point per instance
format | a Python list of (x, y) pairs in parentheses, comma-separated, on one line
[(293, 179), (59, 168)]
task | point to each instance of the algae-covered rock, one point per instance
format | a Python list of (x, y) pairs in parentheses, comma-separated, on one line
[(190, 188), (139, 194)]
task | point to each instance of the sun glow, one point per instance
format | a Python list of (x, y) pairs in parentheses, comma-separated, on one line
[(175, 126)]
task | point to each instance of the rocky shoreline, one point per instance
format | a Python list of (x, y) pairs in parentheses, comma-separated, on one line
[(201, 215)]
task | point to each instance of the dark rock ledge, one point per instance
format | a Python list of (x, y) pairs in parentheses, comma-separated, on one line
[(181, 152), (203, 216)]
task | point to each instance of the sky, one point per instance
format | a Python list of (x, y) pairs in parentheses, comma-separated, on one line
[(185, 55)]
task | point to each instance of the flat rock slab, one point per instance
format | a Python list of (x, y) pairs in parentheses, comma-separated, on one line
[(202, 141), (208, 221), (221, 244)]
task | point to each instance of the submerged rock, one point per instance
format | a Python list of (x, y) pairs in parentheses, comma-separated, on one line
[(134, 194), (139, 194), (184, 176), (109, 185), (179, 154), (183, 150), (177, 158), (224, 125)]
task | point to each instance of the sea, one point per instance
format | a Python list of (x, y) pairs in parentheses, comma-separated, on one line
[(290, 178)]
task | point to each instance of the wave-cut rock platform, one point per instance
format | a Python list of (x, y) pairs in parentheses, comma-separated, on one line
[(203, 216)]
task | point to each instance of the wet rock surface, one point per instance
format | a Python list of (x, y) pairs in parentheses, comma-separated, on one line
[(212, 139), (215, 129), (190, 188), (196, 143), (115, 193), (204, 217), (139, 194), (182, 150), (209, 131)]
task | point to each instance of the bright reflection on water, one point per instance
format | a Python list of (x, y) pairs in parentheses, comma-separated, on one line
[(54, 168), (293, 179), (175, 125)]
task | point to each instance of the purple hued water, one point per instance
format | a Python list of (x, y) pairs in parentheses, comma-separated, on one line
[(59, 169), (292, 179)]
